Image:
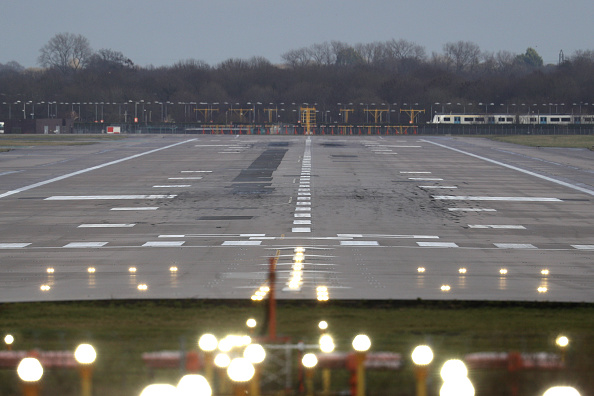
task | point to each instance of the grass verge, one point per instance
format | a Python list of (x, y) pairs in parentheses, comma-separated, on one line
[(122, 330)]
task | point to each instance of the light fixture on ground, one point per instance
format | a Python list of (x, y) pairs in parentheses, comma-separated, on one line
[(240, 371), (30, 372), (561, 391), (251, 324), (85, 355), (323, 325), (309, 361), (562, 342), (8, 340), (455, 376), (422, 356), (222, 361), (159, 390), (361, 344), (208, 344), (256, 354), (193, 385)]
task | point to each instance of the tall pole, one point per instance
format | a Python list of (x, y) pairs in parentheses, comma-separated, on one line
[(272, 297)]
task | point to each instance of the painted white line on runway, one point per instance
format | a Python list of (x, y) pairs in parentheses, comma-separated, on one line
[(403, 146), (497, 226), (304, 198), (185, 178), (163, 244), (196, 172), (304, 193), (106, 225), (303, 189), (515, 246), (302, 222), (66, 176), (252, 235), (173, 186), (562, 183), (85, 244), (241, 243), (438, 187), (415, 172), (359, 243), (301, 229), (583, 247), (438, 244), (471, 210), (13, 245), (172, 236), (302, 215), (511, 199), (303, 203), (388, 236), (143, 208), (300, 209), (100, 197), (425, 178)]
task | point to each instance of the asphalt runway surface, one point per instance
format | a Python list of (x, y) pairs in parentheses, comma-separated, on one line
[(357, 217)]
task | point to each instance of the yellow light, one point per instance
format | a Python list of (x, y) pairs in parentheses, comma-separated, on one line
[(222, 360), (132, 270), (85, 354), (299, 250), (562, 341), (462, 270), (421, 269), (251, 323), (50, 270), (309, 360), (323, 325), (322, 289), (503, 271), (545, 272), (9, 339), (422, 355), (361, 343), (542, 289), (265, 289), (45, 287), (91, 270), (207, 342), (173, 269), (143, 287), (445, 288)]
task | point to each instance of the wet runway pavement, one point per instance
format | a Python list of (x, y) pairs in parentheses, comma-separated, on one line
[(402, 217)]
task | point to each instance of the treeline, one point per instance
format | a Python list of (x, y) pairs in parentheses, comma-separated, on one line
[(395, 73)]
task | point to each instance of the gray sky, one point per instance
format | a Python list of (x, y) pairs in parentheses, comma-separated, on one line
[(162, 32)]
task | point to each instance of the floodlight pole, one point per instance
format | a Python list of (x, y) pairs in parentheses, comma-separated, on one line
[(272, 297)]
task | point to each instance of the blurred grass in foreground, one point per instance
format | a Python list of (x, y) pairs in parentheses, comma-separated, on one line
[(122, 330)]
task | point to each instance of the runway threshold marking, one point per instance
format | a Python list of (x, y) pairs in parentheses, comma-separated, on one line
[(471, 210), (79, 172), (13, 245), (104, 225), (562, 183), (515, 246), (511, 199), (141, 208), (106, 197)]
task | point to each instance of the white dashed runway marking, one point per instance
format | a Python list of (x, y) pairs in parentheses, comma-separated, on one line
[(241, 243), (511, 199), (106, 197), (583, 247), (515, 246), (106, 225), (164, 244), (438, 244), (142, 208), (85, 244), (13, 245), (496, 226), (359, 243), (173, 186), (471, 210)]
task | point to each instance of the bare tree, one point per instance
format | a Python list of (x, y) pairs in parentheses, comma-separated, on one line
[(66, 52), (462, 55)]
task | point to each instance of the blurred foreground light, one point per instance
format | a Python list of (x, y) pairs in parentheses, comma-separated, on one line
[(545, 272), (562, 341), (193, 385), (251, 323), (85, 354), (159, 390), (422, 355), (240, 370), (30, 370), (255, 353), (361, 343), (421, 270), (91, 270), (50, 270), (132, 270), (561, 391), (9, 339), (462, 270), (323, 325), (143, 287), (326, 343), (173, 269), (453, 368), (503, 271), (445, 288), (457, 387), (222, 360), (45, 287), (542, 289), (309, 360), (208, 342)]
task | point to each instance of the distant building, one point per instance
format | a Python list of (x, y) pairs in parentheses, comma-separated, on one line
[(39, 126)]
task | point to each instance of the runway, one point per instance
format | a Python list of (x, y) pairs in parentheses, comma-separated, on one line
[(394, 217)]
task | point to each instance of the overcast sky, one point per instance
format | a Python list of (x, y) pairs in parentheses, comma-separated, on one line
[(162, 32)]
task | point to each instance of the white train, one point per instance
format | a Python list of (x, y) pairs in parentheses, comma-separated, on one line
[(536, 119)]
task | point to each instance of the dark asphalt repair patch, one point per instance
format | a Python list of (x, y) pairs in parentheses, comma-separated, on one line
[(257, 178)]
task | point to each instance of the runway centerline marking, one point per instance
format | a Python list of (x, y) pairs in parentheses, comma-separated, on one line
[(103, 225), (80, 172), (107, 197), (511, 199), (562, 183)]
